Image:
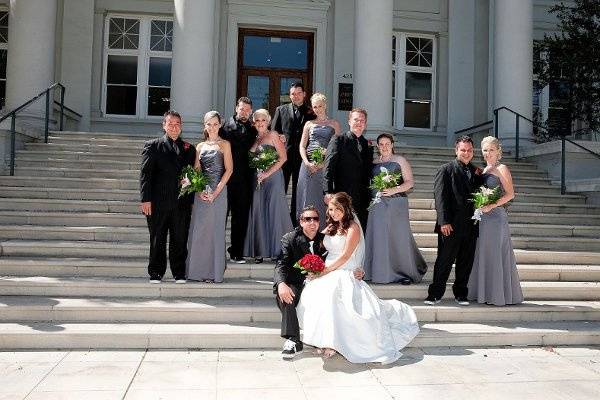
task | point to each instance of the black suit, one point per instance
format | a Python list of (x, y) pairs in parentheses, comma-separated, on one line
[(452, 190), (241, 135), (159, 184), (286, 122), (348, 170), (294, 246)]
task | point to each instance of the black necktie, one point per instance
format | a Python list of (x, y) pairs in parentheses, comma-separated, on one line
[(175, 147), (468, 173), (358, 146), (297, 113)]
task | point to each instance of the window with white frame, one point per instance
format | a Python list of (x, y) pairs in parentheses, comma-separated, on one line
[(137, 78), (413, 80), (3, 53)]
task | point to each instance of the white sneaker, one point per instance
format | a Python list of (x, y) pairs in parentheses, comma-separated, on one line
[(462, 301), (180, 281), (431, 301), (155, 281), (237, 260), (290, 349)]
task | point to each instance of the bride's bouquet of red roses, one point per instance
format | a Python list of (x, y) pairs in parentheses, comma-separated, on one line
[(310, 264)]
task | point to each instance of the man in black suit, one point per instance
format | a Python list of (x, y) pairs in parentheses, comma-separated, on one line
[(289, 120), (457, 235), (241, 134), (166, 213), (288, 281), (348, 165)]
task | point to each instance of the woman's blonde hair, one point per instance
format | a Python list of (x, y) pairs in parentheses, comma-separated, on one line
[(318, 97), (264, 113), (493, 141)]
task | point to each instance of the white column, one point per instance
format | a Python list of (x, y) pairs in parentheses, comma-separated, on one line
[(76, 68), (373, 61), (461, 66), (192, 69), (513, 65), (30, 58)]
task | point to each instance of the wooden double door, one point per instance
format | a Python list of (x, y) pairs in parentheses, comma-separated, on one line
[(269, 62)]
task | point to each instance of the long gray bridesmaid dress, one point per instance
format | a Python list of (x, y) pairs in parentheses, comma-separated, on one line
[(494, 278), (206, 240), (310, 186), (269, 218), (391, 251)]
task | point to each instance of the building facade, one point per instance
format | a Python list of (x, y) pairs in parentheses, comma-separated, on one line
[(422, 68)]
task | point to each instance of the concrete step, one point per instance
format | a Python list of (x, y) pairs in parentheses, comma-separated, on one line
[(140, 233), (74, 206), (86, 136), (56, 162), (519, 188), (530, 242), (137, 268), (129, 250), (248, 289), (525, 184), (266, 335), (24, 192), (137, 310), (66, 172), (81, 155), (62, 217), (70, 183)]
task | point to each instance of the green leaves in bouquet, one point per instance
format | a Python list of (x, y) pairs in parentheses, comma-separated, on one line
[(191, 181), (263, 158), (317, 156), (385, 180), (485, 196)]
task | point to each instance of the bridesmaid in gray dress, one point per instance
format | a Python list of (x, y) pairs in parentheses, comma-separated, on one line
[(494, 278), (206, 240), (316, 133), (269, 216), (392, 255)]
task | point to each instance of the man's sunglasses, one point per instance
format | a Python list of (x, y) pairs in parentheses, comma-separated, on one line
[(310, 219)]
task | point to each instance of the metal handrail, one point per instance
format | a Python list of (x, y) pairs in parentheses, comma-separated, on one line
[(69, 109), (518, 117), (13, 115)]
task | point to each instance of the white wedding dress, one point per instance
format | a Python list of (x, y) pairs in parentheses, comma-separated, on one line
[(340, 312)]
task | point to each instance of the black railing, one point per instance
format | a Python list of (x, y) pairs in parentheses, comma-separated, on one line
[(13, 115), (563, 157), (563, 161)]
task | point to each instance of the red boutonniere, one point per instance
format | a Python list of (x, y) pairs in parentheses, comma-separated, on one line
[(478, 171), (370, 143), (186, 146)]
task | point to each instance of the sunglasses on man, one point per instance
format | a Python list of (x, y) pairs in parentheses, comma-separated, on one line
[(310, 219)]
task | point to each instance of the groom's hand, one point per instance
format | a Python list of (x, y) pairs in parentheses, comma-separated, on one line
[(446, 229), (285, 293), (146, 208)]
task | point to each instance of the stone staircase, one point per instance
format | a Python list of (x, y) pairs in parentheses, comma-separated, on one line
[(73, 250)]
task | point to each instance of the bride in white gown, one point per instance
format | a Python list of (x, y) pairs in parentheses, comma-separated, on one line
[(341, 313)]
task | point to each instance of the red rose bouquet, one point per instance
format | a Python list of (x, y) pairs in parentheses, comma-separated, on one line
[(310, 263)]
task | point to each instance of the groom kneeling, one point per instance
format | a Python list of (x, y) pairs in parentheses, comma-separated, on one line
[(288, 281)]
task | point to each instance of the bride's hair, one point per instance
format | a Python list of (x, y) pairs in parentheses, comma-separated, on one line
[(342, 202)]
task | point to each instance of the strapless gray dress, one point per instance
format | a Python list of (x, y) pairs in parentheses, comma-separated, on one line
[(391, 251), (494, 278), (310, 187), (269, 218), (206, 240)]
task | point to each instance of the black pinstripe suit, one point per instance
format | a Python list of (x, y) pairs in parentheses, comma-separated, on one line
[(159, 184)]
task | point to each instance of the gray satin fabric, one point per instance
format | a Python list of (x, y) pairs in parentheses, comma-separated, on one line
[(206, 240), (494, 278), (391, 250), (269, 218), (310, 187)]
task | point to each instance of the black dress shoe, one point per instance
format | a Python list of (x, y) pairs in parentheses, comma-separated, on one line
[(405, 281), (258, 260)]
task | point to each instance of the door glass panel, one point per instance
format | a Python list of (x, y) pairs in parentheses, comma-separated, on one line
[(418, 86), (258, 91), (275, 52), (159, 71), (417, 114), (284, 88), (122, 70)]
